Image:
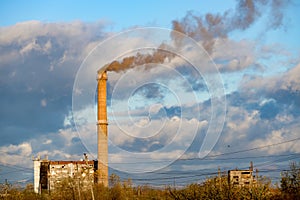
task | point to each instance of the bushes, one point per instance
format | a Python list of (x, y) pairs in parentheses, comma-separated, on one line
[(290, 182), (211, 188), (219, 188), (10, 192)]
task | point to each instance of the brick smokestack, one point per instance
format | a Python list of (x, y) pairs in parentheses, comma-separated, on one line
[(102, 130)]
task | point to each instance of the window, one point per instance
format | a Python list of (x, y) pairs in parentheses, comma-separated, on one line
[(245, 172)]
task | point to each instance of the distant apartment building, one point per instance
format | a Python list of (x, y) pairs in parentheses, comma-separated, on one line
[(49, 174), (242, 178)]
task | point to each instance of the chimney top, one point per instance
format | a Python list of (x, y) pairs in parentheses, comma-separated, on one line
[(102, 75)]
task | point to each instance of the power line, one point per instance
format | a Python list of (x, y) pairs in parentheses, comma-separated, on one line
[(15, 166), (194, 174), (208, 159), (277, 161), (216, 155), (255, 148)]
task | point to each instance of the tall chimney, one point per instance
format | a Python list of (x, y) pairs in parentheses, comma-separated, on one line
[(102, 130)]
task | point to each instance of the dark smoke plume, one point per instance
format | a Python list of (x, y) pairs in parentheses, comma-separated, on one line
[(212, 26), (158, 56), (206, 29)]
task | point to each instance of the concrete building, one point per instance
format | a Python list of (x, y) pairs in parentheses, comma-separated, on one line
[(49, 174), (242, 177)]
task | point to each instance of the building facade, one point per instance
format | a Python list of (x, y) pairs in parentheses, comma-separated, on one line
[(48, 174), (242, 178)]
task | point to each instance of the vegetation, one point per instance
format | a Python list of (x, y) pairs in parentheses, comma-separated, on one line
[(211, 188), (290, 182), (219, 188)]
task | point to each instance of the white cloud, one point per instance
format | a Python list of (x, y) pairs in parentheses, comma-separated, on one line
[(180, 131), (239, 121), (290, 81), (15, 154), (233, 55), (275, 138), (43, 102), (62, 47), (48, 141)]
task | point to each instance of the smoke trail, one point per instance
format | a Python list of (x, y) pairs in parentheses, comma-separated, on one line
[(206, 29), (158, 56)]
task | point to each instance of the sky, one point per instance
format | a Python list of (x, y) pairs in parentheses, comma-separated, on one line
[(226, 92)]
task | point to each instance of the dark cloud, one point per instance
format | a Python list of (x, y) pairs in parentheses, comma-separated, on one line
[(284, 89), (269, 110), (151, 91), (286, 96), (195, 81), (170, 112), (38, 63), (264, 110), (37, 75)]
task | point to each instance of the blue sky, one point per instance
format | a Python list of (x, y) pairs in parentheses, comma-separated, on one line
[(158, 112), (122, 16)]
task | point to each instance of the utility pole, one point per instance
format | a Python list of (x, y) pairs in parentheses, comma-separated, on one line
[(256, 175), (174, 182), (219, 176)]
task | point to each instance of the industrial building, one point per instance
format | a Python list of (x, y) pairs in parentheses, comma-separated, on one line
[(49, 174), (242, 178)]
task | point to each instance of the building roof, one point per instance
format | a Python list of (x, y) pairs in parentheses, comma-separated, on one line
[(63, 162)]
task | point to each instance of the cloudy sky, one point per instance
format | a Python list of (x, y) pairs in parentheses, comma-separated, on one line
[(226, 92)]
